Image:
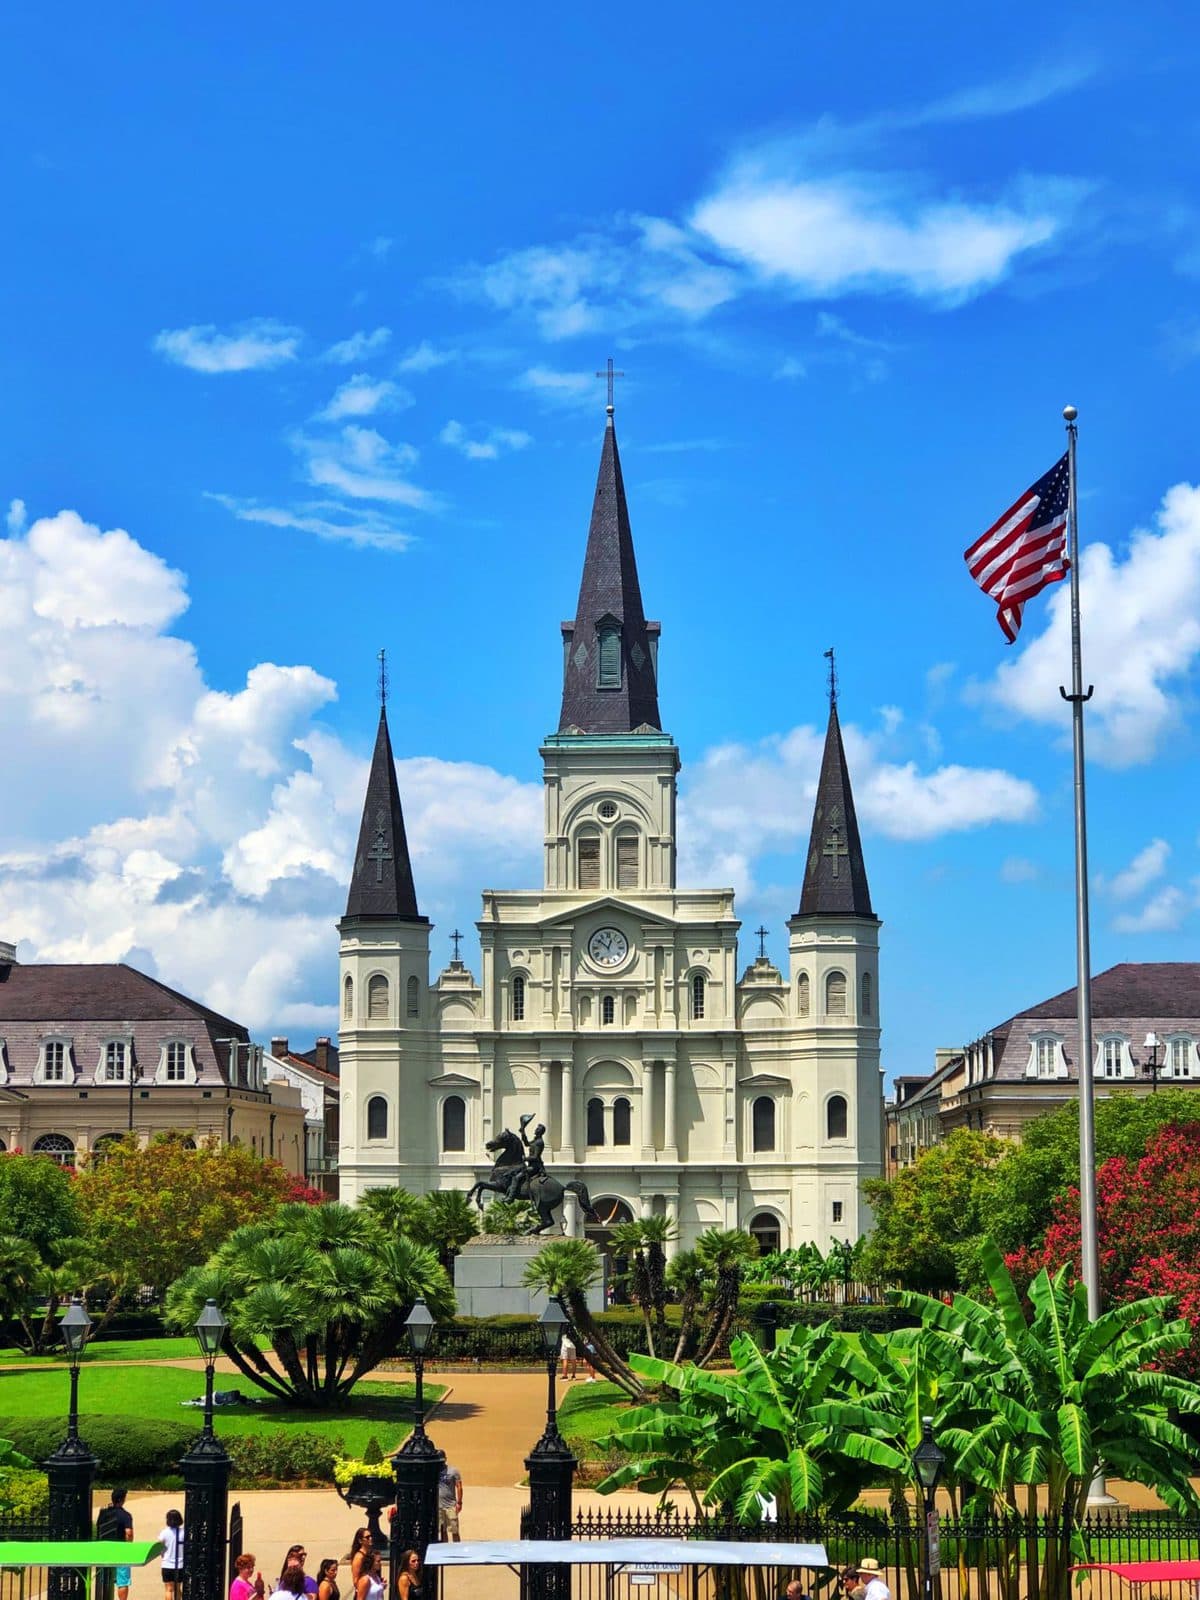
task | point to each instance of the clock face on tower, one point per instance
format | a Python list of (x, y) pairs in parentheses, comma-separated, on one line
[(608, 947)]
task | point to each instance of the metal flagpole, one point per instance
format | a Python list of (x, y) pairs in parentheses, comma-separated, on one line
[(1078, 698)]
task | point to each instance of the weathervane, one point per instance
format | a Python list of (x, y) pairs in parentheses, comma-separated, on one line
[(610, 374), (832, 676)]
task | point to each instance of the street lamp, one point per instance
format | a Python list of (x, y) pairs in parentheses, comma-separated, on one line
[(928, 1462), (418, 1463), (1153, 1044), (206, 1479), (72, 1467), (551, 1467)]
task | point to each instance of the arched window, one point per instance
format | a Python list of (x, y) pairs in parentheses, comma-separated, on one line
[(764, 1228), (518, 998), (622, 1122), (377, 1117), (348, 998), (608, 1008), (377, 998), (454, 1123), (608, 659), (413, 1005), (835, 994), (114, 1061), (175, 1061), (762, 1117), (3, 1146), (836, 1117), (698, 997), (803, 995), (57, 1146), (627, 861), (102, 1146), (866, 994), (587, 857), (595, 1122)]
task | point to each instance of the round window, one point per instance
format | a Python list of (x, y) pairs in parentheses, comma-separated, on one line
[(608, 810)]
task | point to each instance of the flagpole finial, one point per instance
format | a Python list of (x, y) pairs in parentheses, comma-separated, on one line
[(1070, 413)]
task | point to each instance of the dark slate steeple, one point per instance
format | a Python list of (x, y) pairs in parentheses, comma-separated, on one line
[(381, 885), (835, 875), (610, 656)]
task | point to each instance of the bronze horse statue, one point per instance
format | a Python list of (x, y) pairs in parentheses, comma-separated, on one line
[(544, 1193)]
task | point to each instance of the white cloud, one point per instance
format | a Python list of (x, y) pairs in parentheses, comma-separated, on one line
[(216, 848), (485, 447), (16, 518), (357, 347), (791, 367), (1019, 869), (1147, 866), (576, 389), (327, 519), (257, 344), (361, 463), (1162, 913), (1141, 637), (424, 357), (362, 396)]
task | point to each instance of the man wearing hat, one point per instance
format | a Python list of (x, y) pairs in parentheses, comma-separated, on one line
[(869, 1572)]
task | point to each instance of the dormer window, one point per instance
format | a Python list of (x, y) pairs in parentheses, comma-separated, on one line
[(175, 1064), (115, 1061), (1113, 1058), (54, 1063), (608, 654), (1046, 1059)]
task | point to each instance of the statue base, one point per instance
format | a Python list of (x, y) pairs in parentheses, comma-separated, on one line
[(489, 1276)]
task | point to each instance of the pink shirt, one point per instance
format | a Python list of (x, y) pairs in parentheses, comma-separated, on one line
[(240, 1589)]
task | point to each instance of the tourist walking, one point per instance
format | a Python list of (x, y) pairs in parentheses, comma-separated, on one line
[(327, 1584), (570, 1360), (870, 1574), (244, 1586), (370, 1584), (450, 1496), (171, 1539), (296, 1557), (411, 1582), (291, 1584), (360, 1548), (114, 1522)]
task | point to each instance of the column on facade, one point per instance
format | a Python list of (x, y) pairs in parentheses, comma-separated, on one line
[(544, 1084), (567, 1112), (645, 1205), (670, 1143), (672, 1215)]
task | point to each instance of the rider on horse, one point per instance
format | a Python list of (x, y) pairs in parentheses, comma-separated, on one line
[(521, 1183)]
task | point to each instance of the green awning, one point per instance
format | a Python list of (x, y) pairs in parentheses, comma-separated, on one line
[(78, 1552)]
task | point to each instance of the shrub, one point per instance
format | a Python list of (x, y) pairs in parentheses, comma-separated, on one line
[(128, 1447), (26, 1496), (281, 1455)]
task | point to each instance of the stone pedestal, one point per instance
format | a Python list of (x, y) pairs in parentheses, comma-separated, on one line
[(489, 1273)]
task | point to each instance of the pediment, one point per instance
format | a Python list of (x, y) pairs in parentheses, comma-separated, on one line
[(765, 1080), (453, 1080), (608, 902)]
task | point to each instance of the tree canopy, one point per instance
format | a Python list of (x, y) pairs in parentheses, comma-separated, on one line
[(39, 1203)]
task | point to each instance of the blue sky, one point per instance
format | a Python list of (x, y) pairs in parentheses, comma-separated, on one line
[(301, 314)]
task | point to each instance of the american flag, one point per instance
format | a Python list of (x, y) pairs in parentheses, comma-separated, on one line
[(1025, 549)]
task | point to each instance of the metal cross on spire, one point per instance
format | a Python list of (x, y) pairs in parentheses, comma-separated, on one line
[(762, 943), (610, 373), (457, 939), (383, 681), (829, 656)]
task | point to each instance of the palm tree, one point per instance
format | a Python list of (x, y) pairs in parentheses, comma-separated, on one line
[(566, 1269), (643, 1243), (323, 1290), (687, 1279), (20, 1272), (722, 1253), (444, 1219), (393, 1207)]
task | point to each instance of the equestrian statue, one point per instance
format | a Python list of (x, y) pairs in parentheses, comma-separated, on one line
[(519, 1173)]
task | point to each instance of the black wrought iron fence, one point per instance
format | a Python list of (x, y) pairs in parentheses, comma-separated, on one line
[(23, 1583)]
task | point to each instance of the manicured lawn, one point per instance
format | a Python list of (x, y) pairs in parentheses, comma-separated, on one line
[(111, 1350), (382, 1409)]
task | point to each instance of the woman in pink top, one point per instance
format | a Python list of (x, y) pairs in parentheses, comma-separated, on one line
[(243, 1586)]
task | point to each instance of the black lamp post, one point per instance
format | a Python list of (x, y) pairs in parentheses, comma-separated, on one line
[(551, 1467), (1154, 1045), (418, 1464), (206, 1480), (928, 1462), (72, 1467)]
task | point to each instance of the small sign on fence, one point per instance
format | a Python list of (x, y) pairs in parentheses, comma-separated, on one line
[(648, 1572), (933, 1535)]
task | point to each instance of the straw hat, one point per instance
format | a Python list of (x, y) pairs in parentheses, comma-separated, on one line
[(869, 1564)]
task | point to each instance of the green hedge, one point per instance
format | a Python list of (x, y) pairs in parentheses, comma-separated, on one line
[(281, 1455), (25, 1496), (128, 1447)]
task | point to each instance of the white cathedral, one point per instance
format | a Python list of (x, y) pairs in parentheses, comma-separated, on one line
[(609, 1004)]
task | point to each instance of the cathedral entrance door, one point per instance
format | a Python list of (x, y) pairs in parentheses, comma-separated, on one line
[(611, 1212)]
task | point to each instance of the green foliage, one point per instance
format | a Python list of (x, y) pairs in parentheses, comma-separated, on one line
[(281, 1455), (323, 1289), (930, 1211), (38, 1204), (24, 1496), (509, 1217), (373, 1454), (128, 1446), (444, 1220), (566, 1269), (643, 1244), (151, 1212)]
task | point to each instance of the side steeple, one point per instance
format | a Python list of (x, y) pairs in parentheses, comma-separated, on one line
[(381, 884), (610, 651), (835, 875)]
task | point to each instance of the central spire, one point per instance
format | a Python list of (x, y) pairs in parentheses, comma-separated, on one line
[(381, 884), (610, 654)]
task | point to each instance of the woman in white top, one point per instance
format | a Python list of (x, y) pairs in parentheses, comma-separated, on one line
[(370, 1584), (171, 1539)]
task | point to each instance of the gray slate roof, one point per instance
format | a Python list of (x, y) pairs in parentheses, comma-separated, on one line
[(835, 874), (609, 588), (381, 883)]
